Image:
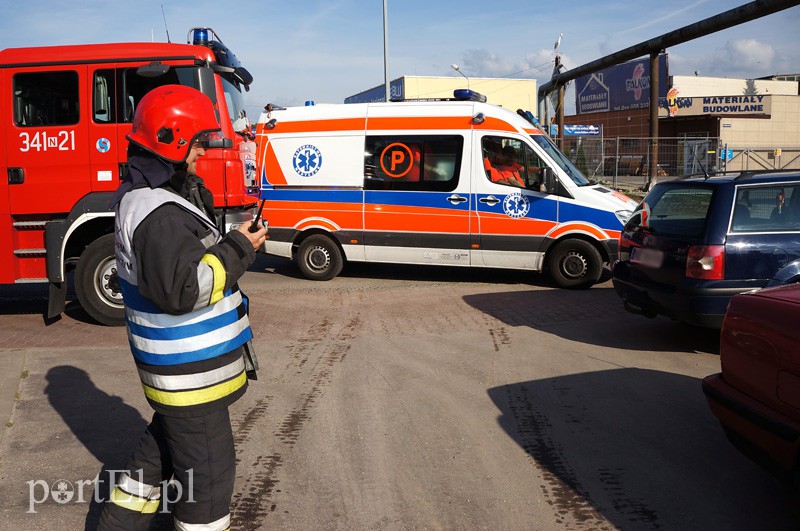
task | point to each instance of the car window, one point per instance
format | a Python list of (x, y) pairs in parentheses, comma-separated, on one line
[(677, 210), (774, 208)]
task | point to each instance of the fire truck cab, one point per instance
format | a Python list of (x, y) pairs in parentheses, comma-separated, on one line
[(458, 182), (64, 114)]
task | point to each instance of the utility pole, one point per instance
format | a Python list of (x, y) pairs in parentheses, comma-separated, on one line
[(386, 51), (654, 82)]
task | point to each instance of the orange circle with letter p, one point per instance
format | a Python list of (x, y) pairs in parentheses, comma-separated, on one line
[(396, 160)]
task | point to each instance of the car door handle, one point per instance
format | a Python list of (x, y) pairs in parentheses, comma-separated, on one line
[(491, 200), (456, 199)]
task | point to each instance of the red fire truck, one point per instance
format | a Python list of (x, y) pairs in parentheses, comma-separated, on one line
[(64, 114)]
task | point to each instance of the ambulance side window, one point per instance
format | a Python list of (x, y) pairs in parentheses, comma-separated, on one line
[(46, 98), (511, 162), (103, 100), (413, 162)]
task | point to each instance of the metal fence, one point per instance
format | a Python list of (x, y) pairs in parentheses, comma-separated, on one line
[(624, 162)]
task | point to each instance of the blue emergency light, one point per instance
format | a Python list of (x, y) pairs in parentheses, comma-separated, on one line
[(200, 36), (469, 95)]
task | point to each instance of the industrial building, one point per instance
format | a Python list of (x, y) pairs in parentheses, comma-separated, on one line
[(506, 92)]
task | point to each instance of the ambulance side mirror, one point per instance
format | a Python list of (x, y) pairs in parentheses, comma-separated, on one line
[(548, 180)]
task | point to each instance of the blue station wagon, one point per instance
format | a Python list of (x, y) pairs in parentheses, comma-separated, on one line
[(695, 242)]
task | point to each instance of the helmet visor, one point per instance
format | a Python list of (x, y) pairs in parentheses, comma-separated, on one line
[(213, 139)]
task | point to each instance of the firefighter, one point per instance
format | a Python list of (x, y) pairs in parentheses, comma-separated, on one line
[(187, 321)]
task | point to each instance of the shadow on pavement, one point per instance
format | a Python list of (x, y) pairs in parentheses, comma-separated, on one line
[(30, 299), (607, 446), (594, 316), (103, 423)]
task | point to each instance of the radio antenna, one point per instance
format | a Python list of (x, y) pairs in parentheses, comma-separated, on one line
[(165, 22)]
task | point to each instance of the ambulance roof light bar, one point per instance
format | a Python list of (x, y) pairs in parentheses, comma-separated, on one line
[(469, 95)]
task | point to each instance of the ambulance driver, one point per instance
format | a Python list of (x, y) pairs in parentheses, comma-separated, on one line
[(509, 168), (187, 320)]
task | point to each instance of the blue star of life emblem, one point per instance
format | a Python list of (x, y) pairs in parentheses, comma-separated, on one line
[(307, 160), (516, 205)]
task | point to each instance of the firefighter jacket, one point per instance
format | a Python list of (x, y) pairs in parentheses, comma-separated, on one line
[(187, 320)]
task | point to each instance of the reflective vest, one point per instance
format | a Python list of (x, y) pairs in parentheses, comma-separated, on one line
[(183, 360)]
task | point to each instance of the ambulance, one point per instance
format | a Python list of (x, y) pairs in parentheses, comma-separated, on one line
[(456, 182)]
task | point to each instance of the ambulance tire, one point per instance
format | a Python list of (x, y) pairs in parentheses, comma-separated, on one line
[(319, 258), (96, 283), (575, 264)]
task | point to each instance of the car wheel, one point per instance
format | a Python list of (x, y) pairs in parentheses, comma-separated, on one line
[(575, 264), (319, 258), (97, 285)]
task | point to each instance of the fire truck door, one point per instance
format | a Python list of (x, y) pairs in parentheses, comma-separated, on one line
[(104, 142), (46, 139)]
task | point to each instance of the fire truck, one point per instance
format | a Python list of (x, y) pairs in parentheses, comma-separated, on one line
[(64, 114)]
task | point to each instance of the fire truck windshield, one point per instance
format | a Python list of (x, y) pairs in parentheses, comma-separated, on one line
[(235, 102)]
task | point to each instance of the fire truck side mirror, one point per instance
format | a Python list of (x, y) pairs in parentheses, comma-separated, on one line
[(243, 76)]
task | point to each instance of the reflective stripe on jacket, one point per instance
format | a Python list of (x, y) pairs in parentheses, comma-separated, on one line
[(185, 360)]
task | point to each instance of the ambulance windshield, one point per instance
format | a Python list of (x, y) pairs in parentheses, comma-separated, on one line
[(560, 159)]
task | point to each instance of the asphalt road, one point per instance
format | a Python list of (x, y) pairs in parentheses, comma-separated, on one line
[(403, 397)]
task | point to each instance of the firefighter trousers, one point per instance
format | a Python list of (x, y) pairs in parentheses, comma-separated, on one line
[(197, 454)]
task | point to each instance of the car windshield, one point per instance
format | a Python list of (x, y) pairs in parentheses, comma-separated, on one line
[(560, 159), (674, 210)]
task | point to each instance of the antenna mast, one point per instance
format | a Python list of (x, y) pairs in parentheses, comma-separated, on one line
[(165, 22)]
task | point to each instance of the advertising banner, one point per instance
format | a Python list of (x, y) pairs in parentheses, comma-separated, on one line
[(577, 130), (675, 106), (620, 87)]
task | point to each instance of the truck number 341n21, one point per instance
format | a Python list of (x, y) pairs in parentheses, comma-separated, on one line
[(42, 141)]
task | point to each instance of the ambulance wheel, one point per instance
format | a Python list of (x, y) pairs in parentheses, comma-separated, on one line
[(575, 264), (96, 282), (319, 258)]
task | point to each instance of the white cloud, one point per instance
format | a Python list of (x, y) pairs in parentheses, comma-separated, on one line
[(745, 55)]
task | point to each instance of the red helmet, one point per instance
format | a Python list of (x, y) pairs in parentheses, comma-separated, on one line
[(170, 118)]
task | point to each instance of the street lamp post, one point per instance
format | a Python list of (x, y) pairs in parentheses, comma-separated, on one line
[(458, 69)]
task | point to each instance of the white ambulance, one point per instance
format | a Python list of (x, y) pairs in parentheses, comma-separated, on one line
[(457, 182)]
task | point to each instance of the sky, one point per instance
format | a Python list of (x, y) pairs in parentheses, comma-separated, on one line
[(327, 50)]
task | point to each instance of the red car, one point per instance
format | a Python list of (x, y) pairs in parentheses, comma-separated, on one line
[(756, 397)]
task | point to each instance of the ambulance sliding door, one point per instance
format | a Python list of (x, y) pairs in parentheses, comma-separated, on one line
[(512, 212), (416, 199)]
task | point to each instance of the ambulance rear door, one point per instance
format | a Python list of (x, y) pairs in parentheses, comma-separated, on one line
[(416, 190), (512, 212)]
